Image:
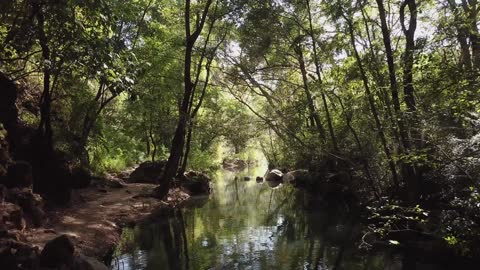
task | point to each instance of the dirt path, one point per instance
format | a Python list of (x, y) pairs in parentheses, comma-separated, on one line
[(97, 215)]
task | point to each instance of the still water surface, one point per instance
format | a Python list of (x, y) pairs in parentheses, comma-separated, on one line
[(250, 225)]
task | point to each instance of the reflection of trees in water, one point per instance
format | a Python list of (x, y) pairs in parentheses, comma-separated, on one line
[(249, 224)]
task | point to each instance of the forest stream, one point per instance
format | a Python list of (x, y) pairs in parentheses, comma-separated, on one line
[(247, 224)]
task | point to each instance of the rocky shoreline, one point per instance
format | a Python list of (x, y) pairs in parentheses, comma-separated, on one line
[(88, 229)]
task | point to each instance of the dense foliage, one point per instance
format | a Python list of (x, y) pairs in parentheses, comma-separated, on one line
[(386, 91)]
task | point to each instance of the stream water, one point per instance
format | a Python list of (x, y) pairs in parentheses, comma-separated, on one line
[(250, 225)]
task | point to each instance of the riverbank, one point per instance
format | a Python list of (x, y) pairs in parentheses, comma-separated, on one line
[(97, 214)]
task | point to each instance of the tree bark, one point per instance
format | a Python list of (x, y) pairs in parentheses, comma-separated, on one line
[(319, 78), (392, 76), (371, 102), (412, 177), (409, 33), (462, 37), (310, 101), (471, 12), (178, 140), (45, 126)]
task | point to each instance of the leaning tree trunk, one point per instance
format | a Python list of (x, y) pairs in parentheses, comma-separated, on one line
[(179, 137), (319, 78), (310, 102), (371, 102), (193, 113), (392, 76)]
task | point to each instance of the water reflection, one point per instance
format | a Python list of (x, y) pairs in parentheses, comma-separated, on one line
[(248, 225)]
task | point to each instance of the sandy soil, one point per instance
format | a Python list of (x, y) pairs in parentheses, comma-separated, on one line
[(97, 215)]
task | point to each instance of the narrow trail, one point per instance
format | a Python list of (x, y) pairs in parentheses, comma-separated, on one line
[(95, 219)]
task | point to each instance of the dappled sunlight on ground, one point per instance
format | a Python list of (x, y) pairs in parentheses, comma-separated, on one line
[(94, 220)]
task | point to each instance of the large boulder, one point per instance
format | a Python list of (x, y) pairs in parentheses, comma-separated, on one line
[(82, 262), (19, 175), (8, 108), (300, 177), (195, 183), (12, 216), (234, 164), (274, 175), (58, 253), (52, 175), (4, 154), (17, 255), (80, 177), (148, 172), (32, 204)]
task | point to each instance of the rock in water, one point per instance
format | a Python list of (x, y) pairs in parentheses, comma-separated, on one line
[(274, 175), (58, 253), (259, 179), (298, 177), (234, 164), (196, 183), (82, 262)]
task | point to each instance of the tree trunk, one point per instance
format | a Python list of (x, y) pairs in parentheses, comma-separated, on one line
[(471, 13), (319, 78), (462, 37), (45, 126), (193, 113), (179, 136), (364, 161), (409, 51), (187, 148), (310, 101), (371, 102), (392, 76), (412, 177)]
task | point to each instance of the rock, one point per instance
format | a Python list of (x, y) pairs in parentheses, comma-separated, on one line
[(52, 177), (274, 175), (246, 178), (19, 175), (234, 164), (298, 177), (17, 255), (3, 229), (259, 179), (80, 177), (12, 215), (58, 253), (82, 262), (273, 184), (32, 204), (3, 193), (148, 172), (195, 183), (8, 108), (114, 184), (4, 154)]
